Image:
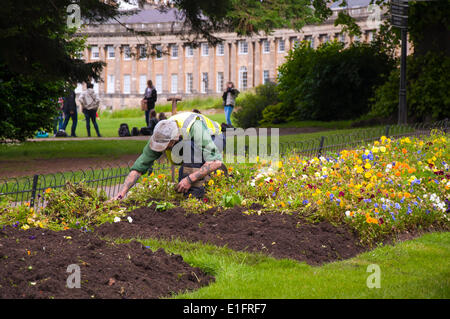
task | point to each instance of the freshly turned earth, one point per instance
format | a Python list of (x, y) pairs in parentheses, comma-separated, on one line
[(33, 264), (281, 236)]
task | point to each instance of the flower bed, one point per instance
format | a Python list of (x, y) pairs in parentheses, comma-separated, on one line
[(388, 187)]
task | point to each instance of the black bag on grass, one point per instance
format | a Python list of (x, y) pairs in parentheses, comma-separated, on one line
[(134, 131), (146, 131), (61, 133), (124, 130)]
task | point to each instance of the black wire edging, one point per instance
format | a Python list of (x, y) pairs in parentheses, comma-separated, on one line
[(109, 179)]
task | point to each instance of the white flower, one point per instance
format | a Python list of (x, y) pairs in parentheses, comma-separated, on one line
[(130, 220), (116, 219), (347, 213)]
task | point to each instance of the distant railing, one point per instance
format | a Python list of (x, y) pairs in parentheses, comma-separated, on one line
[(109, 179)]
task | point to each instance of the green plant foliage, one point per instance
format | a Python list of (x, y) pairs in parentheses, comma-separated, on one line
[(273, 114), (428, 84), (332, 82), (250, 106), (231, 200)]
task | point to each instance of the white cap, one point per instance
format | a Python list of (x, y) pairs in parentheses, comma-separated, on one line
[(164, 132)]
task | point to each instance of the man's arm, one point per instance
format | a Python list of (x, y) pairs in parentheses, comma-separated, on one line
[(131, 179)]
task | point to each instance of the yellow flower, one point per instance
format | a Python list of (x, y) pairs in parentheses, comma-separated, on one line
[(48, 190), (359, 169), (367, 165), (211, 182), (368, 175), (25, 227), (219, 172)]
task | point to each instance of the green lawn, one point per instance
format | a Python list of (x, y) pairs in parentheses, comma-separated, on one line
[(418, 268)]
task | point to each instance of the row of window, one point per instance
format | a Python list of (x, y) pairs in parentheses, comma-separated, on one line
[(204, 47), (174, 50), (220, 85)]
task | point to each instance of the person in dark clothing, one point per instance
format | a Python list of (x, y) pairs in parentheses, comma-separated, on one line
[(229, 101), (153, 121), (70, 111), (151, 97), (162, 116)]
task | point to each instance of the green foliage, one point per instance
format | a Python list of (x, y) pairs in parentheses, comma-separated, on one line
[(331, 83), (28, 104), (273, 114), (428, 84), (231, 199), (251, 105)]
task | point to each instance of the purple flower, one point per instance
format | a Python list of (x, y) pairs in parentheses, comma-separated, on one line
[(393, 217), (305, 202)]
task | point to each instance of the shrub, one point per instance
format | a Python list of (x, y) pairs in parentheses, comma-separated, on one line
[(273, 114), (252, 105), (331, 83), (428, 84)]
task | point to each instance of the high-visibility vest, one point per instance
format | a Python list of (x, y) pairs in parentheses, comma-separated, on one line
[(185, 120)]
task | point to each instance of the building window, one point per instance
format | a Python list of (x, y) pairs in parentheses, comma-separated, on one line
[(189, 51), (142, 52), (159, 84), (126, 52), (219, 82), (324, 38), (370, 36), (220, 49), (243, 78), (111, 52), (204, 88), (110, 84), (95, 53), (310, 39), (142, 83), (205, 49), (281, 45), (243, 47), (265, 76), (266, 46), (189, 82), (356, 38), (126, 84), (158, 52), (174, 51), (174, 83)]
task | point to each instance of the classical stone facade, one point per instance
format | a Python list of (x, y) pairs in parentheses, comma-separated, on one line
[(181, 70)]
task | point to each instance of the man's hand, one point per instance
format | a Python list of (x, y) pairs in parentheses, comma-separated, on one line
[(183, 186)]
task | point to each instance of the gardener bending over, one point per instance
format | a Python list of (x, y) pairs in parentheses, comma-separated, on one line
[(189, 140)]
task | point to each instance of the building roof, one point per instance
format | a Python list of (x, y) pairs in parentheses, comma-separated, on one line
[(153, 15)]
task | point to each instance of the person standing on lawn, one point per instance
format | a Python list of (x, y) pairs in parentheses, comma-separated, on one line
[(153, 121), (70, 112), (188, 139), (151, 97), (89, 104), (229, 100), (59, 120)]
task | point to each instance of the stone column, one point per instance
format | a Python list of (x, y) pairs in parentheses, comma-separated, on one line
[(133, 86), (250, 65), (212, 74), (149, 65), (101, 84), (233, 63), (226, 56), (273, 58), (166, 57), (181, 77), (196, 78), (117, 68), (258, 62)]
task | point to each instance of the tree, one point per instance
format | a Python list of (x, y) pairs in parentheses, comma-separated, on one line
[(39, 52), (331, 82)]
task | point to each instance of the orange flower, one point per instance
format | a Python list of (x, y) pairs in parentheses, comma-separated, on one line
[(397, 174), (404, 151)]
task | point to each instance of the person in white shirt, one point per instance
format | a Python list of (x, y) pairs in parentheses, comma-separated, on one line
[(89, 104)]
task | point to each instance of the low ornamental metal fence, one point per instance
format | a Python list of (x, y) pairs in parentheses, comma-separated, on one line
[(109, 179)]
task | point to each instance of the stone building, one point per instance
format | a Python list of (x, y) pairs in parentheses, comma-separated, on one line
[(181, 70)]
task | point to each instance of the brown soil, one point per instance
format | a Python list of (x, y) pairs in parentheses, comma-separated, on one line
[(33, 264), (281, 236)]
